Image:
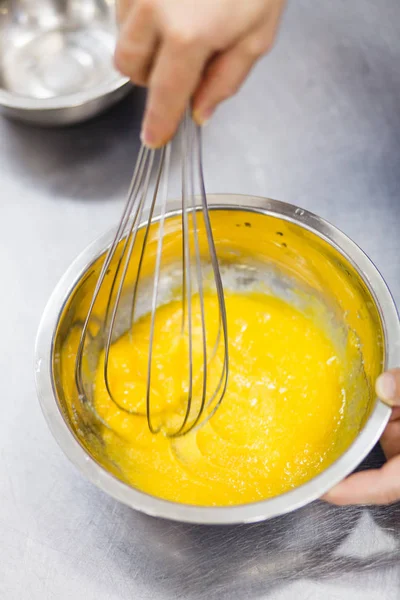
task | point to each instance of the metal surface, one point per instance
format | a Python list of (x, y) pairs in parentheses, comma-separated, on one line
[(63, 313), (56, 60), (317, 124)]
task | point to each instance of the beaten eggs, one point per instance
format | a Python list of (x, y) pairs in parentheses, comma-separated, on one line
[(277, 427)]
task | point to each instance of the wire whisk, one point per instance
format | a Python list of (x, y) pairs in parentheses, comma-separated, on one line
[(202, 394)]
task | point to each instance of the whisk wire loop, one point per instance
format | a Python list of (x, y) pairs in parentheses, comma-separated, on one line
[(198, 404)]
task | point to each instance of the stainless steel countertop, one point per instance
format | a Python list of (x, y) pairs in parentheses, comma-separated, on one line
[(317, 124)]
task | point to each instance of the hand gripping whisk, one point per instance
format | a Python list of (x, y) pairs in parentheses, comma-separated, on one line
[(201, 393)]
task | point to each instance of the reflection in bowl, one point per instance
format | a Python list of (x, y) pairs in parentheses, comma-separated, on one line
[(56, 60), (266, 249)]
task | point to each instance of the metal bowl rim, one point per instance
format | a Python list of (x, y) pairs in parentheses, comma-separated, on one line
[(78, 100), (247, 513)]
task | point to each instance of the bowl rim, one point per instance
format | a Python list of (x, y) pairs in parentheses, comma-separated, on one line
[(247, 513), (69, 101)]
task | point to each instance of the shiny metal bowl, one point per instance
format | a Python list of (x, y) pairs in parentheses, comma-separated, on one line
[(282, 239), (56, 60)]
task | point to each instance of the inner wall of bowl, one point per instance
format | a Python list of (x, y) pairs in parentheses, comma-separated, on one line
[(74, 38), (257, 252)]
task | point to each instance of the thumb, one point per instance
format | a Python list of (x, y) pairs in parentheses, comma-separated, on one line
[(375, 486), (388, 387)]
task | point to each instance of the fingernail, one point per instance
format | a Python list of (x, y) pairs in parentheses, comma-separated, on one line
[(386, 388), (148, 139), (203, 116)]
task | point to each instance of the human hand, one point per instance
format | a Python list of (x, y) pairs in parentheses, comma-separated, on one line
[(377, 486), (191, 49)]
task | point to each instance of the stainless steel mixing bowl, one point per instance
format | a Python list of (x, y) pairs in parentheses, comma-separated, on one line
[(56, 60), (280, 235)]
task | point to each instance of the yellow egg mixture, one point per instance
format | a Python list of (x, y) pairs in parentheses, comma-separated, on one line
[(277, 425)]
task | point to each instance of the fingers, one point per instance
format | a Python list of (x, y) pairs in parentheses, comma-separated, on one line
[(175, 75), (227, 72), (378, 486), (123, 6), (395, 416), (171, 71), (137, 42), (388, 387), (162, 47), (223, 78), (390, 440)]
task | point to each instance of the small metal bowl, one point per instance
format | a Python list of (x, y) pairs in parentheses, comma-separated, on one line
[(56, 60), (279, 235)]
